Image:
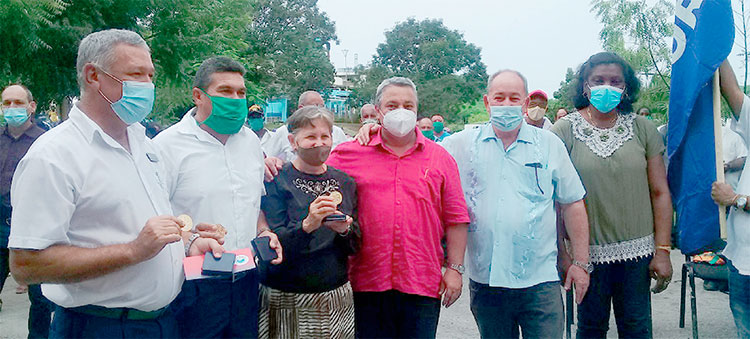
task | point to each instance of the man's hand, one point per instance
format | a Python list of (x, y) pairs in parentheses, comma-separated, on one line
[(450, 287), (722, 193), (578, 276), (157, 233), (213, 231), (661, 270), (273, 165), (320, 208), (339, 226), (363, 135), (564, 261), (204, 245), (275, 245)]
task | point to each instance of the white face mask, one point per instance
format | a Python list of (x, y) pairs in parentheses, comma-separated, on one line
[(536, 113), (400, 122)]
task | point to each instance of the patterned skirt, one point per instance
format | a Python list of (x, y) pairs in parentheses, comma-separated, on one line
[(306, 315)]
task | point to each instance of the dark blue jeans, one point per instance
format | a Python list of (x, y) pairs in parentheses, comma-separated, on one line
[(739, 301), (70, 324), (624, 285), (40, 313), (500, 312), (219, 308), (393, 314)]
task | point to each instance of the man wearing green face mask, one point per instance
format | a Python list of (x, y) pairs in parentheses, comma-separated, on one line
[(438, 126), (218, 179)]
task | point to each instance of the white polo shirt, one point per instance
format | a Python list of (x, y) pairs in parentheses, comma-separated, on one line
[(77, 186), (215, 183), (279, 145), (738, 223)]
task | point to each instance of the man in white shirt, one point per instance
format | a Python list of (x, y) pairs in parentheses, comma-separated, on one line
[(280, 146), (91, 216), (738, 222), (217, 166)]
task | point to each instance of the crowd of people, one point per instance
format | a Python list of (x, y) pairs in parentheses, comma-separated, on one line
[(370, 233)]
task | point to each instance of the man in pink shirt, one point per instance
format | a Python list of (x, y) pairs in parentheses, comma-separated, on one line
[(411, 195)]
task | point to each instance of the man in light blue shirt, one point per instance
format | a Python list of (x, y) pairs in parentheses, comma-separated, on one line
[(512, 175)]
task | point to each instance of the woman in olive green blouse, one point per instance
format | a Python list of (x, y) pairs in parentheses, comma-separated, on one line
[(618, 155)]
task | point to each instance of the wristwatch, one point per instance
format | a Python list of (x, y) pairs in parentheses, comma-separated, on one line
[(588, 267), (456, 267), (741, 202)]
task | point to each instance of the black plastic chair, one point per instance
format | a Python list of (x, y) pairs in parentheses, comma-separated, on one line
[(690, 270)]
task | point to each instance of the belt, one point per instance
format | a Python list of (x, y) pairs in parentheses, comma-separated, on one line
[(118, 313)]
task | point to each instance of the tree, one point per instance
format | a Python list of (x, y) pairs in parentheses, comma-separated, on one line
[(743, 19), (288, 45), (561, 97), (447, 70), (640, 33)]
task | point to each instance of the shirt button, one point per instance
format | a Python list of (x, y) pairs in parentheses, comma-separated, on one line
[(398, 202)]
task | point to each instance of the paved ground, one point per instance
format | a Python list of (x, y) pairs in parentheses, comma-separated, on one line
[(714, 316)]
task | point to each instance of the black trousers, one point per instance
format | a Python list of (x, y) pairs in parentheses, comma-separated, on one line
[(393, 314)]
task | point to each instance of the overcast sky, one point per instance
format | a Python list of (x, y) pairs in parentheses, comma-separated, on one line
[(539, 38)]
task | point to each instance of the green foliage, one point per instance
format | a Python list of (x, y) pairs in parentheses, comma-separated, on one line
[(448, 70), (288, 43), (561, 98), (475, 112)]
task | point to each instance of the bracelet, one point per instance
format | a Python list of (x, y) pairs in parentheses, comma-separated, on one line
[(190, 243), (348, 230), (666, 248)]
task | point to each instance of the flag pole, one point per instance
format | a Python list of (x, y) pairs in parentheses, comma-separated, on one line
[(718, 149)]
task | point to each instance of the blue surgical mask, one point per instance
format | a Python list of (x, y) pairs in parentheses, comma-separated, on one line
[(137, 100), (15, 116), (605, 98), (506, 118)]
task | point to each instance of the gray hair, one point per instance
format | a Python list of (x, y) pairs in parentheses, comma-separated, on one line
[(304, 117), (525, 83), (305, 96), (215, 65), (394, 81), (99, 48)]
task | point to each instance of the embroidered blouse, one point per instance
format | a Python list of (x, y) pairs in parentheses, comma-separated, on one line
[(612, 165), (317, 261)]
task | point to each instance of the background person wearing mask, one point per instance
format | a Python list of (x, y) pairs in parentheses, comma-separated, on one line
[(425, 125), (256, 120), (438, 126), (16, 137), (535, 107)]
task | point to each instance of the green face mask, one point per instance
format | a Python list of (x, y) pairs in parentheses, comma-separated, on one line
[(256, 124), (227, 115), (429, 134), (438, 126)]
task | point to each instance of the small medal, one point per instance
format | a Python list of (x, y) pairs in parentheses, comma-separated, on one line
[(187, 221), (337, 197)]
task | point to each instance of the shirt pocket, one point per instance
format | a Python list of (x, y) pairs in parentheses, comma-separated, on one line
[(535, 183)]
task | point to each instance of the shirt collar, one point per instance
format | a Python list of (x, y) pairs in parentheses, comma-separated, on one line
[(525, 134), (89, 128), (377, 139)]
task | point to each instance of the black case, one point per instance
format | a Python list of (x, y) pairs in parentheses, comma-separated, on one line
[(263, 250), (218, 267)]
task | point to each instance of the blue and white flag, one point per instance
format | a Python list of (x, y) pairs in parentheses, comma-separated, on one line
[(703, 38)]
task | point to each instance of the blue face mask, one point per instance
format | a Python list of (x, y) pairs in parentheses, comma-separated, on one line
[(506, 118), (15, 116), (605, 98), (137, 100)]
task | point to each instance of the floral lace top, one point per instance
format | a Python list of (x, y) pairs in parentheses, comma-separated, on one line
[(612, 164)]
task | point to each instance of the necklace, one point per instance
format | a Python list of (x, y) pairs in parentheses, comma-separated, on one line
[(610, 123)]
